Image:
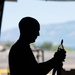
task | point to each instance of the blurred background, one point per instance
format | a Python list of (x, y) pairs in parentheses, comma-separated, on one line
[(57, 22)]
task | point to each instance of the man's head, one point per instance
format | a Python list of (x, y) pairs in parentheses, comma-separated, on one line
[(29, 28)]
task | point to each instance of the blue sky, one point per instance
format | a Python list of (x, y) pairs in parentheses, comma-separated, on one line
[(46, 12)]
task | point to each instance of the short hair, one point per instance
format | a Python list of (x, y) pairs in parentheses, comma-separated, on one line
[(28, 23)]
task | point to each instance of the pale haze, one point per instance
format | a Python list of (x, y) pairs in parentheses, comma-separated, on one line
[(46, 12)]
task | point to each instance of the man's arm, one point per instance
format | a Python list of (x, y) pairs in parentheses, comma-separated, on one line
[(47, 66)]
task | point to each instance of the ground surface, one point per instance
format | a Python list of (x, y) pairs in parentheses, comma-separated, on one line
[(68, 64)]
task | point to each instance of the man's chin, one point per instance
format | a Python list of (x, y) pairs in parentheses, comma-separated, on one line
[(33, 41)]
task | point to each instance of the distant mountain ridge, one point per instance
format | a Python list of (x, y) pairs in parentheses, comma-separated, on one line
[(10, 35), (50, 32)]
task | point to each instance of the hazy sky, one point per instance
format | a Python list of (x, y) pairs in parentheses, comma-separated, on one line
[(46, 12)]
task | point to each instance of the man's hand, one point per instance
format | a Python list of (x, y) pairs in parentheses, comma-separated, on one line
[(60, 55)]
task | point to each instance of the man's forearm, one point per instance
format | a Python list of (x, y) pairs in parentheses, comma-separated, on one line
[(47, 66)]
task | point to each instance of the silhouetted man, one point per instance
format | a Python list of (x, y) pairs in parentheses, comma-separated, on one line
[(21, 58)]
